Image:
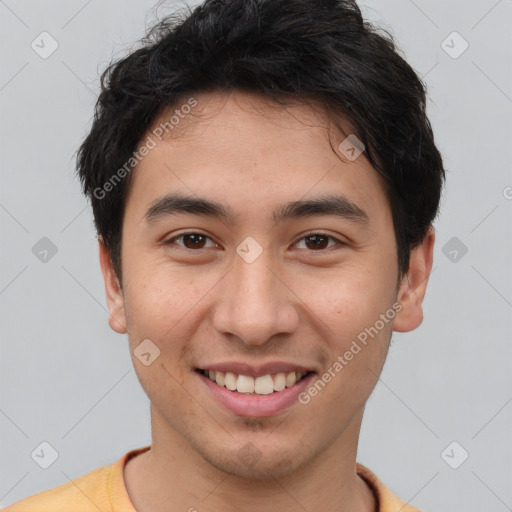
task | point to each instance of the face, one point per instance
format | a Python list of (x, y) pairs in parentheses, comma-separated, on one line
[(278, 280)]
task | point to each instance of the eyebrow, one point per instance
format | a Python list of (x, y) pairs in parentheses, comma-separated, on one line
[(336, 205)]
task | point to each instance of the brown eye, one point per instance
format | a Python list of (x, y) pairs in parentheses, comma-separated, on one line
[(318, 241), (193, 241), (190, 241)]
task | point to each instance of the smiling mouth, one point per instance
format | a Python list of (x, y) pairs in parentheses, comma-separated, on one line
[(247, 385)]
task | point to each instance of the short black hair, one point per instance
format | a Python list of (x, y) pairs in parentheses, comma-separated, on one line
[(284, 50)]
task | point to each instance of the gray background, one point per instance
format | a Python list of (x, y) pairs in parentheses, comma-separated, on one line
[(67, 379)]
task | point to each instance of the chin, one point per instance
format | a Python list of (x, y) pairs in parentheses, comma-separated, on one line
[(249, 462)]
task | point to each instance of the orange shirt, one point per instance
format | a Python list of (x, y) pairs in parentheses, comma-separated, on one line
[(103, 489)]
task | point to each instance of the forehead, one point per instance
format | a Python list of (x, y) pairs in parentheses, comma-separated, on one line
[(247, 151)]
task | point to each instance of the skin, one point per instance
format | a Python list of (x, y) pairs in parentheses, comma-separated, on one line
[(293, 303)]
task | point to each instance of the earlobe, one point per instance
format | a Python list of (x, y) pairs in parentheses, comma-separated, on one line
[(414, 285), (113, 290)]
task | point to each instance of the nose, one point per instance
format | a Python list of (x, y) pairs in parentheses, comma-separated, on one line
[(255, 303)]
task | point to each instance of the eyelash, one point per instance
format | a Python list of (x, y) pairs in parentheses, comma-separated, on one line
[(172, 240)]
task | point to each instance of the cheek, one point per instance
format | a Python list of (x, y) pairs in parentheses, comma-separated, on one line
[(347, 300), (166, 305), (158, 295), (159, 306), (348, 318)]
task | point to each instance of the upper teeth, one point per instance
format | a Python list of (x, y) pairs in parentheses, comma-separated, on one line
[(263, 385)]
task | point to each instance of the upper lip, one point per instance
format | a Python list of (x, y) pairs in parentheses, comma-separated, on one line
[(256, 370)]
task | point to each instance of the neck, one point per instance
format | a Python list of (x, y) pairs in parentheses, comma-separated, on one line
[(173, 476)]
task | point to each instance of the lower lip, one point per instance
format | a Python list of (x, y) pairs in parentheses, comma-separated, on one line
[(257, 406)]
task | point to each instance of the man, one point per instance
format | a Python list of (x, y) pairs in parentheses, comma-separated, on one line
[(264, 179)]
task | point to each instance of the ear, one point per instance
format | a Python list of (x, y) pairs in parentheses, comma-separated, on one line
[(113, 290), (414, 285)]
